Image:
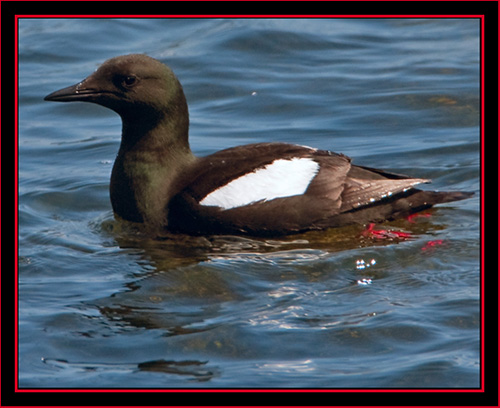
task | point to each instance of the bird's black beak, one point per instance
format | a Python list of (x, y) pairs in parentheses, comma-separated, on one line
[(68, 94), (85, 91)]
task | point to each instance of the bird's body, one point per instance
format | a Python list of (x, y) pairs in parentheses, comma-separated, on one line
[(259, 189)]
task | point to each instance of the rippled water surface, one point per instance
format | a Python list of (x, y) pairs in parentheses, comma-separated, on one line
[(101, 305)]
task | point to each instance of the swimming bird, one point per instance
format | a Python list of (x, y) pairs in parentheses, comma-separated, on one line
[(262, 189)]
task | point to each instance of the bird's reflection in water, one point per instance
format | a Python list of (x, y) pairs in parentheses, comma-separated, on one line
[(198, 292), (199, 371)]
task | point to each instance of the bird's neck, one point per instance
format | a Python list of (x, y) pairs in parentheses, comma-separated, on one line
[(152, 153)]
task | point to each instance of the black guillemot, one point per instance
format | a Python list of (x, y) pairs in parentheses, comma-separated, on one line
[(259, 189)]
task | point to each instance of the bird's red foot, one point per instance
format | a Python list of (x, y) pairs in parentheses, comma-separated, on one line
[(384, 234), (432, 244)]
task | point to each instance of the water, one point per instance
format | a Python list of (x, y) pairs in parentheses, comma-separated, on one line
[(100, 305)]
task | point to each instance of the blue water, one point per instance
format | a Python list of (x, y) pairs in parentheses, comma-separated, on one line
[(100, 305)]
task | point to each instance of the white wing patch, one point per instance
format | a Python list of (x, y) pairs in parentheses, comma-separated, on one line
[(281, 178)]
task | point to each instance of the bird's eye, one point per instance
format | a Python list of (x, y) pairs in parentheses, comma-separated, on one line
[(129, 80)]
